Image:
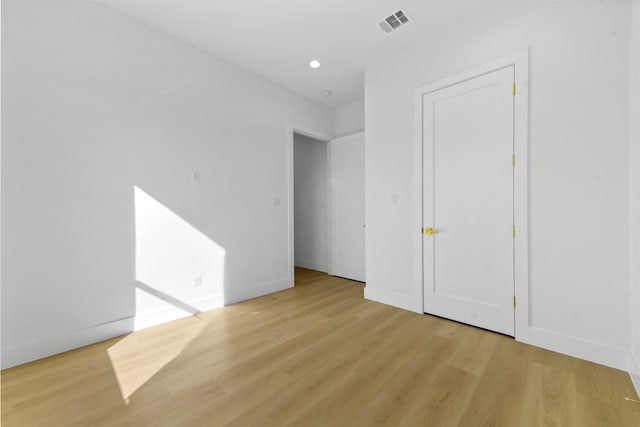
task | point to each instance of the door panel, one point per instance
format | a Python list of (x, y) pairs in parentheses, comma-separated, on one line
[(347, 207), (468, 199)]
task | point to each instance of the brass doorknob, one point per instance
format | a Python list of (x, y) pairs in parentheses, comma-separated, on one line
[(430, 230)]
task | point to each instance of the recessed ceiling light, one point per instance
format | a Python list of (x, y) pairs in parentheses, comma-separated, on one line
[(314, 64), (327, 93)]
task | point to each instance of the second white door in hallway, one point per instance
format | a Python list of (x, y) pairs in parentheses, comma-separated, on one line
[(346, 160)]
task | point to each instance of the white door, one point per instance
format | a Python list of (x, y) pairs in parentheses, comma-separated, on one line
[(468, 201), (346, 171)]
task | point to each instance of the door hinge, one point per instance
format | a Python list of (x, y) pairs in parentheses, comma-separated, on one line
[(514, 88), (513, 159), (514, 300), (513, 231)]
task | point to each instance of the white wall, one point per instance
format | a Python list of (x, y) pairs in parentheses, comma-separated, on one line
[(578, 181), (131, 163), (310, 202), (634, 195), (349, 119)]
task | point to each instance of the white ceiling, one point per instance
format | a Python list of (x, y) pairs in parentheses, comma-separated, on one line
[(278, 38)]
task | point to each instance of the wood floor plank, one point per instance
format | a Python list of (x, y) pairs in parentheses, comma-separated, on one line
[(314, 355), (396, 403)]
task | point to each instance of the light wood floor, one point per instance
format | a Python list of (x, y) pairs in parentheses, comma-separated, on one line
[(315, 355)]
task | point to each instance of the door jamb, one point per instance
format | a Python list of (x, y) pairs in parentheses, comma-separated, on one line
[(520, 61)]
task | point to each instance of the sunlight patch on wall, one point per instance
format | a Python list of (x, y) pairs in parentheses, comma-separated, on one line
[(179, 270)]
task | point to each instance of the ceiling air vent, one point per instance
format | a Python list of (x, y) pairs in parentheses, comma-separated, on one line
[(393, 22)]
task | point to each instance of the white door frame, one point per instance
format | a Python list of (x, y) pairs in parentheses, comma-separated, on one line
[(325, 138), (520, 61)]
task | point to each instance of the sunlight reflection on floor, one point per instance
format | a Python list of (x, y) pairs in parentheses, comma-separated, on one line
[(131, 361)]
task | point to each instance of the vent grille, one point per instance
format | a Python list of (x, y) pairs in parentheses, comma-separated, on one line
[(402, 17), (393, 22)]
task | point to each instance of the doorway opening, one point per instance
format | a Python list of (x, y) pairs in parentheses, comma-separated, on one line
[(326, 204), (310, 195)]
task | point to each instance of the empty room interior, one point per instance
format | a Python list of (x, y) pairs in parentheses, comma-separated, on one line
[(290, 212)]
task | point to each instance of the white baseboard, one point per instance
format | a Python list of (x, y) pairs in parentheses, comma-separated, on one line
[(634, 371), (27, 352), (312, 265), (48, 346), (392, 298), (258, 291), (604, 354), (158, 317)]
